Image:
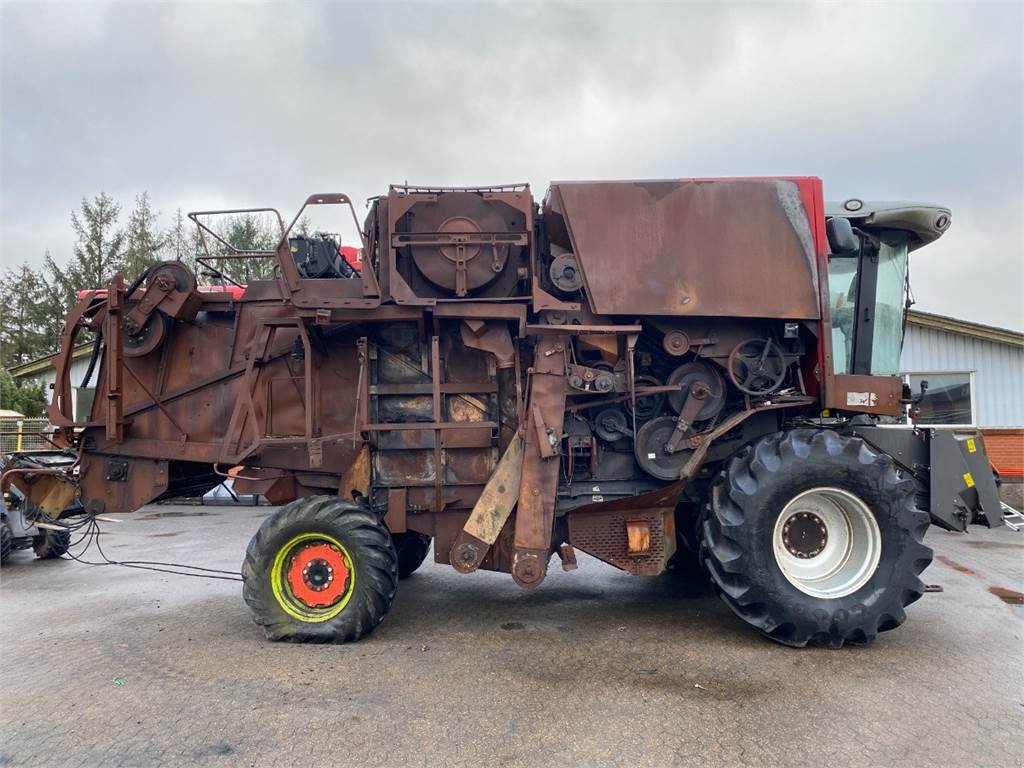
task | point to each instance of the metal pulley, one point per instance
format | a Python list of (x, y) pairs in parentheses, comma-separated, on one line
[(652, 451), (147, 337), (676, 343), (146, 322), (647, 405), (611, 424), (565, 273), (692, 373)]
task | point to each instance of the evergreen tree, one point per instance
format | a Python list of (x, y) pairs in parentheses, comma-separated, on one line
[(100, 245), (28, 400), (142, 239), (57, 297), (248, 232), (175, 241), (22, 317)]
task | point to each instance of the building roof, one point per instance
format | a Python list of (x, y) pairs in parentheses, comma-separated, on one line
[(41, 364), (965, 328)]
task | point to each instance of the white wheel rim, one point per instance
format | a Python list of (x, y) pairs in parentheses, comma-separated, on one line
[(827, 543)]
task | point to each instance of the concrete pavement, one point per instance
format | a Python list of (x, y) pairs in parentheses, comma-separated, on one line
[(111, 666)]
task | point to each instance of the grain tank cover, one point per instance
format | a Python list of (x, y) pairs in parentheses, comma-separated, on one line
[(716, 247)]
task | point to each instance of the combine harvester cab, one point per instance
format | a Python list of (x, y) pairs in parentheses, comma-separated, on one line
[(650, 372)]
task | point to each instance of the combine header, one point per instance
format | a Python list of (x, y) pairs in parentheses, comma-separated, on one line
[(647, 371)]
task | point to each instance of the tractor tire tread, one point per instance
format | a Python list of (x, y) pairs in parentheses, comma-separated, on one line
[(734, 533)]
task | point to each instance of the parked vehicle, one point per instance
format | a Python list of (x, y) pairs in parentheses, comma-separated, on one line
[(647, 371)]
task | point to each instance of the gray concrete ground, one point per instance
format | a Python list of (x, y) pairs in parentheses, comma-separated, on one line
[(110, 666)]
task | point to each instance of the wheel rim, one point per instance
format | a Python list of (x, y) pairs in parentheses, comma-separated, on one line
[(313, 577), (827, 543)]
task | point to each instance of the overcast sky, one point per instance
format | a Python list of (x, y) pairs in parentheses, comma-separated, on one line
[(230, 104)]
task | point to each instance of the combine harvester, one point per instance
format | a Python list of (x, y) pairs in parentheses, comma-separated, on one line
[(651, 372)]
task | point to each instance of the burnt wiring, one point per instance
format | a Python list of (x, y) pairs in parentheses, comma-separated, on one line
[(90, 528)]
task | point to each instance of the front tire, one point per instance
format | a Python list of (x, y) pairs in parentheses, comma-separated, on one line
[(51, 544), (320, 569), (814, 538), (6, 542)]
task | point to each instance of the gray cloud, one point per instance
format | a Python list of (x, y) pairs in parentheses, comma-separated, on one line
[(244, 103)]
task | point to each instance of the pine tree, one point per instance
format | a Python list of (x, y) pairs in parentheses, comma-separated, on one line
[(175, 240), (28, 400), (143, 240), (57, 297), (22, 318), (100, 246), (248, 232)]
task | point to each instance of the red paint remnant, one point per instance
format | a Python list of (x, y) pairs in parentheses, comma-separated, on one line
[(955, 565), (1008, 596)]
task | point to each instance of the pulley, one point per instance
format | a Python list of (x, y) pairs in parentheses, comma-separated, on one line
[(652, 453), (688, 374), (611, 424), (149, 336), (565, 273), (647, 406)]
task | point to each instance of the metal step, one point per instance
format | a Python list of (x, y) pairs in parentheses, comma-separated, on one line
[(1013, 519)]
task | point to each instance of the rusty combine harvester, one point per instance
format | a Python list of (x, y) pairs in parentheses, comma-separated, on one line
[(647, 371)]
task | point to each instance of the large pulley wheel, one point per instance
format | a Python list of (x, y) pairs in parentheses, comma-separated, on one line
[(149, 336), (688, 374), (183, 277), (168, 275), (757, 366), (651, 449)]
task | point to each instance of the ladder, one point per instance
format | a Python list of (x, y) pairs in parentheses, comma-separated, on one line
[(1013, 519)]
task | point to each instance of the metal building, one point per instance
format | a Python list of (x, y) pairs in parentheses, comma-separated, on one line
[(975, 376)]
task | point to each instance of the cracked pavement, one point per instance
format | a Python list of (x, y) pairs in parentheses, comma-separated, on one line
[(120, 667)]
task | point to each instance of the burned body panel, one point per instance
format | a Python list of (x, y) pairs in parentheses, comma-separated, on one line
[(684, 243)]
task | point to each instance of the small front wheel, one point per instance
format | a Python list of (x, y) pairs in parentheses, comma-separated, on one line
[(51, 544), (320, 569), (6, 542)]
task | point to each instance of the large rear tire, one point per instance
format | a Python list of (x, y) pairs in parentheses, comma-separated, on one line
[(814, 538), (320, 570)]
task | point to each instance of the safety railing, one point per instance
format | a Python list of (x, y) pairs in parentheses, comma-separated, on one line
[(24, 435)]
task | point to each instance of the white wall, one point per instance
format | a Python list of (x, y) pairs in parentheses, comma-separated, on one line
[(999, 370)]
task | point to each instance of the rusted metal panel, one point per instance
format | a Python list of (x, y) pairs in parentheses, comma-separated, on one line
[(491, 511), (536, 508), (722, 248), (866, 394), (634, 541), (397, 505)]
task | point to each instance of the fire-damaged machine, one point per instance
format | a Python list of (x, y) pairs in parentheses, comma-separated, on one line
[(651, 372)]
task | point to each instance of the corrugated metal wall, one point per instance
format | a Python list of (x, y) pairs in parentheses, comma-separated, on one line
[(998, 377)]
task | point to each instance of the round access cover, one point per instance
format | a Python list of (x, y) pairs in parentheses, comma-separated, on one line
[(460, 268)]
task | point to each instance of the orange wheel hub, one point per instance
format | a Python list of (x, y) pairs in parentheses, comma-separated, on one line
[(318, 575)]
